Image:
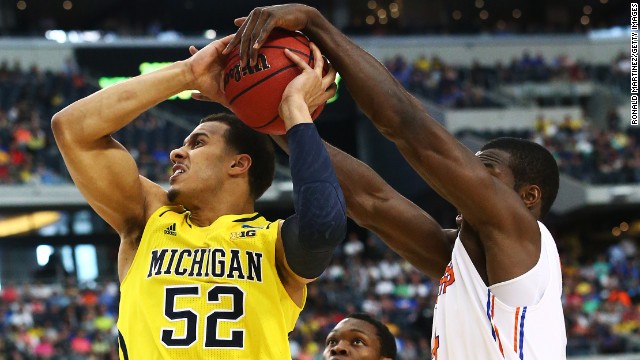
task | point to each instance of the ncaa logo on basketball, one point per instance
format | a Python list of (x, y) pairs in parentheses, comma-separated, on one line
[(237, 73), (242, 234)]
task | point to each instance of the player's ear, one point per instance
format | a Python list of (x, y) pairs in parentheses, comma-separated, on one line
[(531, 195), (239, 164)]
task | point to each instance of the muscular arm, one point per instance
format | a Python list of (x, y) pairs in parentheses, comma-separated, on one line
[(494, 210), (101, 168)]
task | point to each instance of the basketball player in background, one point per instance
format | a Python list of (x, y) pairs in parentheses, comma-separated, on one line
[(360, 336), (500, 296), (203, 276)]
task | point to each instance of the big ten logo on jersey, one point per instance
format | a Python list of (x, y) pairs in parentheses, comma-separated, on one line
[(237, 73), (446, 280), (242, 234), (249, 233)]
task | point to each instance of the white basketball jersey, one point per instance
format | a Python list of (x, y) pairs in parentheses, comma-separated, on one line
[(471, 323)]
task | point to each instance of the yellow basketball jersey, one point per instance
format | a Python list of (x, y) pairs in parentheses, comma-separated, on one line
[(205, 292)]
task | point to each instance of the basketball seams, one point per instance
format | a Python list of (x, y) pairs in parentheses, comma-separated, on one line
[(277, 116), (297, 38), (267, 123)]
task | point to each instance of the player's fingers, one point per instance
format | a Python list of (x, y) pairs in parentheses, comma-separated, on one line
[(227, 39), (236, 39), (332, 90), (329, 78), (255, 35), (297, 60), (223, 42), (192, 50), (265, 29), (317, 58), (245, 43), (326, 96)]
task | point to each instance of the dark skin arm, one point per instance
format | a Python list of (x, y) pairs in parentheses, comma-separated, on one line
[(375, 205), (495, 216)]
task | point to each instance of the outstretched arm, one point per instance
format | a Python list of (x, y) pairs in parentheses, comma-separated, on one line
[(493, 209)]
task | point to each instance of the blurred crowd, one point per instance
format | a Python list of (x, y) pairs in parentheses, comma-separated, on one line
[(587, 154), (601, 299), (59, 321), (28, 100), (459, 87), (609, 156)]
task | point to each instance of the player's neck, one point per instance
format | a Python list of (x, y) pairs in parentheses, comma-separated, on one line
[(210, 211)]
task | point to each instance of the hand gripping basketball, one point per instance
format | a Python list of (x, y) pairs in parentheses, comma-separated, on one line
[(254, 92)]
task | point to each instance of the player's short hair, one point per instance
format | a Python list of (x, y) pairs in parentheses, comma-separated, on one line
[(257, 145), (531, 164), (387, 340)]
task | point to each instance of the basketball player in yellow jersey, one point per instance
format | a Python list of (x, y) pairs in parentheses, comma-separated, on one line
[(203, 276)]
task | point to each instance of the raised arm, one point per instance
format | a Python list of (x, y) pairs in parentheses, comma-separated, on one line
[(491, 207), (308, 238), (101, 168)]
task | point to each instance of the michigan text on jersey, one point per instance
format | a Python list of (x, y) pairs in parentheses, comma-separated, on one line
[(207, 262)]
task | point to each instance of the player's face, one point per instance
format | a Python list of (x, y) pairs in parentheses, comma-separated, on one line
[(199, 163), (352, 339)]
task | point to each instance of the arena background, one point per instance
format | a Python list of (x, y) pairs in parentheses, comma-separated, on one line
[(555, 72)]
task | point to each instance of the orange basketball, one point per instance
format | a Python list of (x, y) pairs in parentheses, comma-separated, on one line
[(255, 92)]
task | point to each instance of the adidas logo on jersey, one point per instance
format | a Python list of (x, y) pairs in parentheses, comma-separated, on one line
[(171, 230)]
